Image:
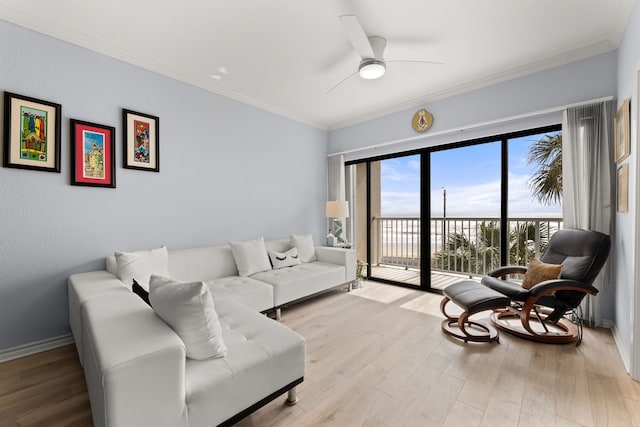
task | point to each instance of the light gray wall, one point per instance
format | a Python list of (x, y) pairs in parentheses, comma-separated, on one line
[(575, 82), (228, 171), (626, 228), (578, 81)]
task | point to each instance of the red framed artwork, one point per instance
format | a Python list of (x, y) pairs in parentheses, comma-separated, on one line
[(141, 146), (92, 154)]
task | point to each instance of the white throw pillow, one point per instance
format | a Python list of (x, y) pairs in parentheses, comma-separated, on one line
[(140, 265), (305, 246), (188, 309), (251, 256), (284, 259)]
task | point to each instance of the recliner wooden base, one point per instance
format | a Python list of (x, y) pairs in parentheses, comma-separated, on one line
[(515, 323), (462, 328)]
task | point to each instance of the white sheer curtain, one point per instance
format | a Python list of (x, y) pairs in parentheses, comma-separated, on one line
[(336, 177), (586, 180), (337, 182)]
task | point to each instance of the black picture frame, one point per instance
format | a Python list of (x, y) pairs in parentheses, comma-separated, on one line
[(141, 141), (31, 133), (93, 155)]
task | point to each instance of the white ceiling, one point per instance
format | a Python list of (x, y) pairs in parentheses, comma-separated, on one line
[(283, 55)]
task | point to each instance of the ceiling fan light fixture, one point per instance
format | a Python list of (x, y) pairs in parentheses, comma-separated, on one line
[(371, 69)]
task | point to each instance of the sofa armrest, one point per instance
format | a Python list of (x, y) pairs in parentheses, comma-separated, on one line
[(339, 256), (134, 364), (83, 287)]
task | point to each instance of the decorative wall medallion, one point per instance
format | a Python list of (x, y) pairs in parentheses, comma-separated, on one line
[(422, 120)]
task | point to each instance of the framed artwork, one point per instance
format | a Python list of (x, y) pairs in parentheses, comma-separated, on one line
[(622, 129), (31, 133), (92, 154), (622, 188), (141, 144)]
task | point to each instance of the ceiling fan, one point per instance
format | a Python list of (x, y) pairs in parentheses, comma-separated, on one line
[(371, 50)]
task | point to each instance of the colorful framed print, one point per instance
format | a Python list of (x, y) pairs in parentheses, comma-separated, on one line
[(141, 141), (31, 133), (622, 129), (92, 154)]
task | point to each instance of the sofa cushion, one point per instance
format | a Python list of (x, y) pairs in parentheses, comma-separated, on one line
[(284, 259), (202, 263), (244, 290), (189, 310), (140, 265), (290, 284), (250, 256), (263, 356), (306, 248)]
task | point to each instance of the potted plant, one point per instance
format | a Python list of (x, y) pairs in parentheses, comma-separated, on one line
[(360, 274)]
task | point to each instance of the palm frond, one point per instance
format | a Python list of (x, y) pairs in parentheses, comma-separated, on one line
[(546, 182)]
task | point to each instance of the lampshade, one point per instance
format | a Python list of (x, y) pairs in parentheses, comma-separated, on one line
[(337, 209)]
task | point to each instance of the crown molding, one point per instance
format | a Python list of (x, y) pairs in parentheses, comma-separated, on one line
[(17, 17), (620, 23), (490, 80), (88, 42)]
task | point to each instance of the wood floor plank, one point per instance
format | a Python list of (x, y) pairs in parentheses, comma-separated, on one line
[(437, 404), (573, 401), (377, 357), (607, 403), (463, 415)]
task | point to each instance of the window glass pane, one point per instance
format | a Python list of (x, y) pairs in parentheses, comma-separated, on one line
[(397, 223), (465, 211), (535, 194)]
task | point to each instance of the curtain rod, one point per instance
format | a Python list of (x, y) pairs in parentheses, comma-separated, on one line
[(475, 125)]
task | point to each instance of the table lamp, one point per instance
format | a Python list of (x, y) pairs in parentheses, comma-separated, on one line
[(336, 210)]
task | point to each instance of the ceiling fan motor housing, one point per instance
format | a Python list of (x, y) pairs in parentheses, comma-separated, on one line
[(371, 69)]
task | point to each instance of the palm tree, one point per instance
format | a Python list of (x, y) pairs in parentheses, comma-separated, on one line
[(546, 182), (481, 253), (522, 241), (465, 254)]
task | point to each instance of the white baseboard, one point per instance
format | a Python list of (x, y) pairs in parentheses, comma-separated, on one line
[(606, 323), (624, 354), (35, 347)]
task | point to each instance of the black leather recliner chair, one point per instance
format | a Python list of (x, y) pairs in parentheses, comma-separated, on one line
[(542, 309)]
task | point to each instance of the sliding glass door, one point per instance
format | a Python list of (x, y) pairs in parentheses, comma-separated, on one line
[(435, 216), (465, 189), (394, 218)]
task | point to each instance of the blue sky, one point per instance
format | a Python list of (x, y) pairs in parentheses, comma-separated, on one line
[(471, 176)]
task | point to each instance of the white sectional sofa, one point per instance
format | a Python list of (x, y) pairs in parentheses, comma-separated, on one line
[(136, 367)]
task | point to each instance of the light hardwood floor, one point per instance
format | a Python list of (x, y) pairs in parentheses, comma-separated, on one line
[(377, 357)]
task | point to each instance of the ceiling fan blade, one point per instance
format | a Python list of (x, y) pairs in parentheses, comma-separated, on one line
[(414, 61), (340, 82), (412, 66), (357, 36)]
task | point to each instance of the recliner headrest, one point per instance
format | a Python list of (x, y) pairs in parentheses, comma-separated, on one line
[(582, 253)]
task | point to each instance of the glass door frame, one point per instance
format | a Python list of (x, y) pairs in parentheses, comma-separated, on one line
[(425, 199)]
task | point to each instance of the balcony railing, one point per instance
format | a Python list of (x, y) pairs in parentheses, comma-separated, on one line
[(461, 244)]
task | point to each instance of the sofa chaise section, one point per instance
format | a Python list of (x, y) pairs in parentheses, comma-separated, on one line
[(138, 374), (264, 357)]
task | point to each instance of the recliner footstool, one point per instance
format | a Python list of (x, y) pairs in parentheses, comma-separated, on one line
[(473, 298)]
